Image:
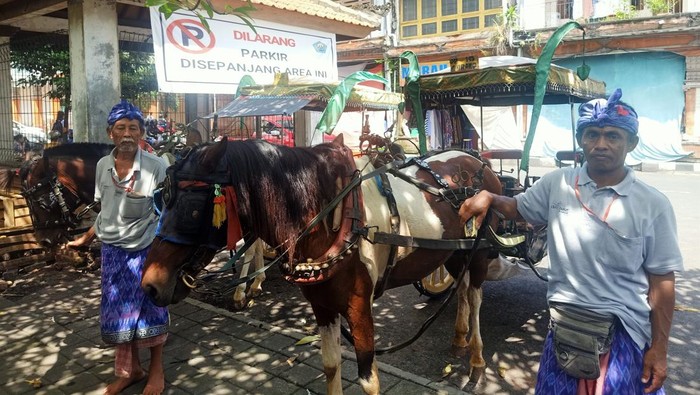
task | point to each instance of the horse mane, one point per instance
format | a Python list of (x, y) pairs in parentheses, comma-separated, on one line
[(82, 150), (280, 188)]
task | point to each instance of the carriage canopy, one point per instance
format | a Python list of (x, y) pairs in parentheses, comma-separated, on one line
[(506, 86), (292, 97)]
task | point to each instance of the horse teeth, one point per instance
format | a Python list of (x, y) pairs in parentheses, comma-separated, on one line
[(325, 265)]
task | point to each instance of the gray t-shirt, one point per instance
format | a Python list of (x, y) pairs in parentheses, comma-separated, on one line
[(603, 243), (127, 219)]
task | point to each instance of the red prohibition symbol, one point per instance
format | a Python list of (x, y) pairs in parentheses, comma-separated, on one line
[(190, 36)]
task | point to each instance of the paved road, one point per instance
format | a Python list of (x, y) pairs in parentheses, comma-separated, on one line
[(50, 333), (513, 315)]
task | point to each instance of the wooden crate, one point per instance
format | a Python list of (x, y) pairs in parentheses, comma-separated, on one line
[(10, 181), (14, 211)]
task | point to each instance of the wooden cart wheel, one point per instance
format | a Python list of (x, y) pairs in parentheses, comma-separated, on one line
[(436, 284)]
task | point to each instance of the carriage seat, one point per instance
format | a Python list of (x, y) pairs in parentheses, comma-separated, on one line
[(503, 154), (576, 157)]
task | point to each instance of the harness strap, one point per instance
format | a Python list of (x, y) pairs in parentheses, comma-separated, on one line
[(422, 164), (395, 222), (419, 242)]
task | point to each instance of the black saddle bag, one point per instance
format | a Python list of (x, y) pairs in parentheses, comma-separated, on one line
[(580, 337)]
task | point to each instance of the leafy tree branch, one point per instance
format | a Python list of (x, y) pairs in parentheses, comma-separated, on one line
[(203, 9)]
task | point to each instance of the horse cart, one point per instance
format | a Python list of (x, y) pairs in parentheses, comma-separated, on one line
[(499, 86)]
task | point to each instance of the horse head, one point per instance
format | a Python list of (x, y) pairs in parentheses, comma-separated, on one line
[(186, 239), (271, 192), (56, 184)]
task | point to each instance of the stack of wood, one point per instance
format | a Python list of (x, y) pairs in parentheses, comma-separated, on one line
[(15, 211)]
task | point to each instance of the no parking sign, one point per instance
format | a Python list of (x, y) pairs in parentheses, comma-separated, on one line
[(191, 59)]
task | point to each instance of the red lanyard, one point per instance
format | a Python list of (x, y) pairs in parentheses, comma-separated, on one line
[(130, 187), (607, 211)]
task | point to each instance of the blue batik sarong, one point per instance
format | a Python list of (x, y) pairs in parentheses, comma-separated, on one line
[(126, 313), (624, 370)]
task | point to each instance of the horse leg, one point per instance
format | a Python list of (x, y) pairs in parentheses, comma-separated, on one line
[(361, 324), (255, 288), (459, 342), (476, 345), (329, 330), (239, 300)]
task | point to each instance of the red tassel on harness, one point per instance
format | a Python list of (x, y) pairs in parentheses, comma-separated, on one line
[(234, 231)]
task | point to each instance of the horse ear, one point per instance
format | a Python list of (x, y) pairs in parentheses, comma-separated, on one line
[(213, 153), (339, 140)]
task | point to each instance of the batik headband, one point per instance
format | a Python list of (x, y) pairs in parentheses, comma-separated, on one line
[(611, 112), (124, 109)]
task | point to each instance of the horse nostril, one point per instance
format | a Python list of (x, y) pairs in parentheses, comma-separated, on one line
[(151, 291)]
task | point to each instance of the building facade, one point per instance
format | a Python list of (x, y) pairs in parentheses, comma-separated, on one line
[(650, 49)]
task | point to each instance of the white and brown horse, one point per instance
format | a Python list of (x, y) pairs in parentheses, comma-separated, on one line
[(282, 195)]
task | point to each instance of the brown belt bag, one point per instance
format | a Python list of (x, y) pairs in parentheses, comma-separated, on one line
[(580, 337)]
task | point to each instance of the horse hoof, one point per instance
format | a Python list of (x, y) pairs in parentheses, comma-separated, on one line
[(253, 293), (476, 373), (239, 305)]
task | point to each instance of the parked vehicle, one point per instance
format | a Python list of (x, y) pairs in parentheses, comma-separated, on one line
[(33, 134), (278, 129)]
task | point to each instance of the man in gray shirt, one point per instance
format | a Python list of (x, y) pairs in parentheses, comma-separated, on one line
[(125, 182), (613, 252)]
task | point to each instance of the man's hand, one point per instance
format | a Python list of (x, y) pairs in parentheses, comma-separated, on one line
[(476, 206), (654, 370), (84, 239)]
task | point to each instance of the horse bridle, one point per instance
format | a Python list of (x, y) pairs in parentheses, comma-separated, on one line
[(175, 180), (55, 189)]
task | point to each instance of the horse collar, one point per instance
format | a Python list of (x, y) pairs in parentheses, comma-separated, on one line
[(314, 270)]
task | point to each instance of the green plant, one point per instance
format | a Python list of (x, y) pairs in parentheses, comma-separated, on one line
[(167, 7), (503, 25), (660, 6), (626, 11)]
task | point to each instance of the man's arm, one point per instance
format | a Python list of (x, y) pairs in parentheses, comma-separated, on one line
[(479, 204), (662, 299)]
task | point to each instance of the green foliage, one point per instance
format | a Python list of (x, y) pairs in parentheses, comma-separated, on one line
[(49, 65), (44, 65), (626, 11), (660, 6), (504, 25), (203, 10)]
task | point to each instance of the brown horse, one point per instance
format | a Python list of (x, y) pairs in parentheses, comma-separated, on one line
[(56, 184), (306, 202)]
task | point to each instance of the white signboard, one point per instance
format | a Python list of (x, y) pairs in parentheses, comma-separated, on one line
[(190, 59)]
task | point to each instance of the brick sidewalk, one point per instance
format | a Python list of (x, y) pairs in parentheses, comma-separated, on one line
[(52, 337)]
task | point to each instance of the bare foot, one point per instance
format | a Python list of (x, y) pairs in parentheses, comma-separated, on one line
[(121, 383), (156, 382)]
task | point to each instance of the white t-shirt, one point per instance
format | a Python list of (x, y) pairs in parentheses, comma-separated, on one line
[(600, 262)]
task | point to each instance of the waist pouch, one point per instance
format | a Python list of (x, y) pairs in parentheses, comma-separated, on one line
[(580, 337)]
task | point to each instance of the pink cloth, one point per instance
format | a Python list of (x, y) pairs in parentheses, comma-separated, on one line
[(595, 387)]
